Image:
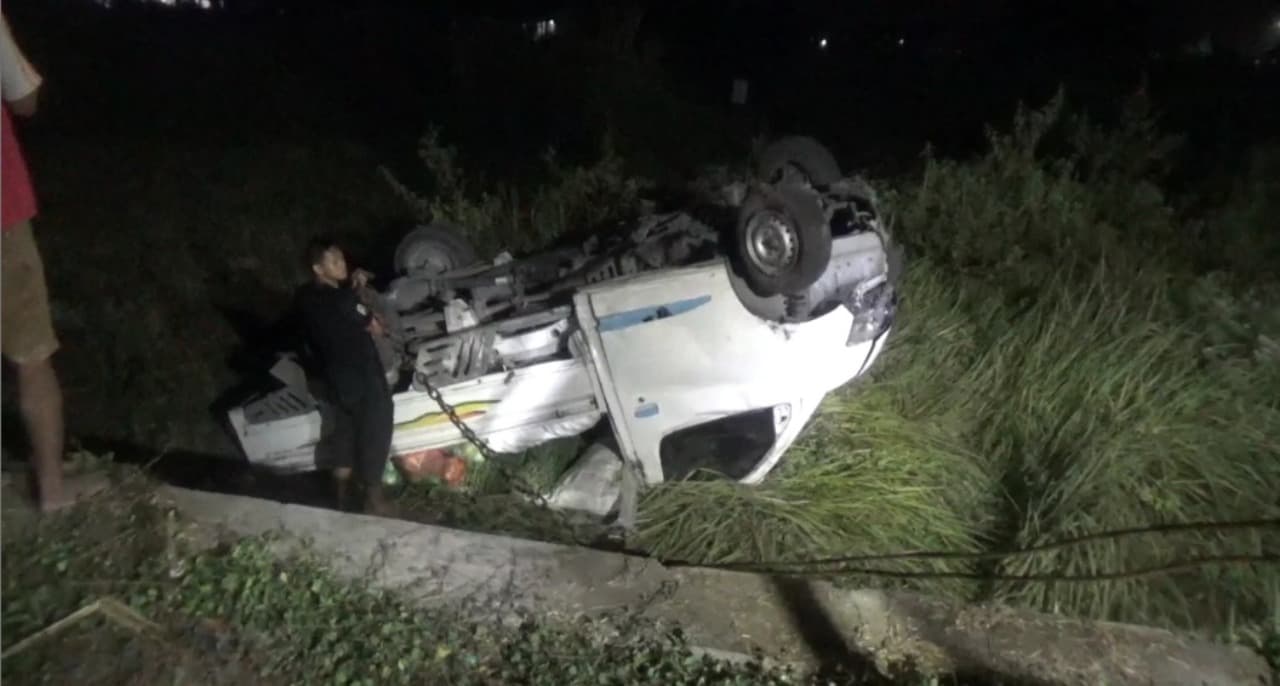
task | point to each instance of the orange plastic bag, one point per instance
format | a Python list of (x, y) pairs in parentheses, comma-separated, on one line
[(455, 471), (423, 463), (438, 462)]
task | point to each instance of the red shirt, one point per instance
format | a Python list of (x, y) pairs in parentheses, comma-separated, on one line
[(18, 198)]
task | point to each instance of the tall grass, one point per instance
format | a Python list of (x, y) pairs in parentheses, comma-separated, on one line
[(1098, 416), (1062, 368)]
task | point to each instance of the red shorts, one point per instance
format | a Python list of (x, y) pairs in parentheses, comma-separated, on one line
[(17, 198)]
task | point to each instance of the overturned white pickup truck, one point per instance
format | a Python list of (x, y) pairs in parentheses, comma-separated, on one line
[(705, 339)]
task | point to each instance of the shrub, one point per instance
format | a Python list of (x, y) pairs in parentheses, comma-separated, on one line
[(500, 216)]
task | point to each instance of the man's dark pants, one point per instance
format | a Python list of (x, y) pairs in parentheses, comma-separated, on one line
[(362, 435)]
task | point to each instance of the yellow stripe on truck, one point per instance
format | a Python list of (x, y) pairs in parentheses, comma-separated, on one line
[(465, 411)]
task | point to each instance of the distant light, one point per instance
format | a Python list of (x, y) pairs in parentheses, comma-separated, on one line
[(902, 41), (200, 4), (544, 29), (822, 43)]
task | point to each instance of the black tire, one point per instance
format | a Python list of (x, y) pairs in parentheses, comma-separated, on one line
[(798, 159), (783, 240), (771, 308), (437, 247)]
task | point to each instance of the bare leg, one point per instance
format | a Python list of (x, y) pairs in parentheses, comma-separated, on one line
[(342, 480), (376, 502), (40, 398)]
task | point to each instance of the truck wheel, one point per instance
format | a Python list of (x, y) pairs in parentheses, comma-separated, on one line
[(436, 248), (771, 308), (798, 160), (783, 240)]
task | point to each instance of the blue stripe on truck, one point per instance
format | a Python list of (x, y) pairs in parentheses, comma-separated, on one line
[(623, 320)]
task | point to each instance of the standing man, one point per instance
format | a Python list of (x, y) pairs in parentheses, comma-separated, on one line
[(341, 329), (28, 337)]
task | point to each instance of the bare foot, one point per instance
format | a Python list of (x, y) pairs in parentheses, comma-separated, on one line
[(74, 489), (376, 503), (342, 489)]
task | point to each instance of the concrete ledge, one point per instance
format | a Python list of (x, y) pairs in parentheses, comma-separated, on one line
[(432, 562), (731, 613)]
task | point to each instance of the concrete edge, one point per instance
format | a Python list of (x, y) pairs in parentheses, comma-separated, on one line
[(729, 614)]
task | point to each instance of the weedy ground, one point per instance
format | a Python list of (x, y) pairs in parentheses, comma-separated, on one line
[(227, 611)]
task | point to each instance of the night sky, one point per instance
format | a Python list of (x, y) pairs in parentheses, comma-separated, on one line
[(1246, 25), (889, 67)]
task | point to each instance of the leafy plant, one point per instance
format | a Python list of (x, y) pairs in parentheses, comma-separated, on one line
[(499, 217)]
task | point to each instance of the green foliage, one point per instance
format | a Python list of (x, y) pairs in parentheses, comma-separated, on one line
[(1240, 232), (549, 658), (1028, 203), (1122, 432), (495, 218)]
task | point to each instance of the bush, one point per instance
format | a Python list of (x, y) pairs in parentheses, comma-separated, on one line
[(500, 217), (1241, 233), (1052, 187)]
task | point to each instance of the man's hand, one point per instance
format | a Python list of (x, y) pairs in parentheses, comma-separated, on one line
[(376, 327), (360, 278)]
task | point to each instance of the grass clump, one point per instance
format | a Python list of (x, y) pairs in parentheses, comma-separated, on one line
[(1092, 396), (1098, 417)]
